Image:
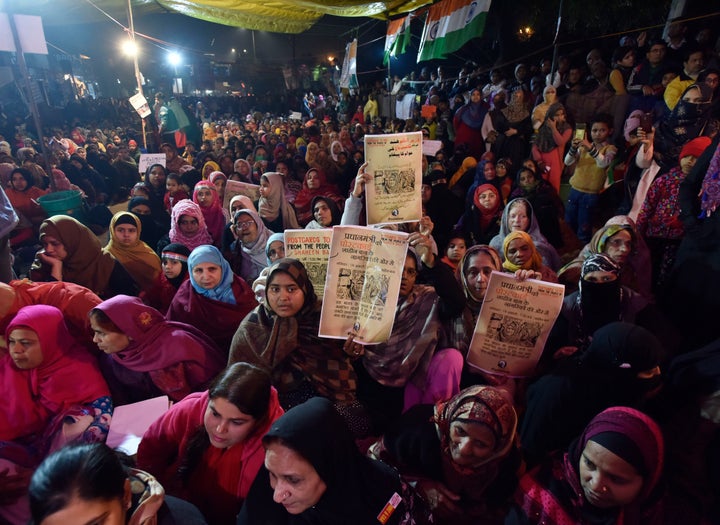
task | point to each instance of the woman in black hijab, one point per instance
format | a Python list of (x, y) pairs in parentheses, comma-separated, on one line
[(314, 474)]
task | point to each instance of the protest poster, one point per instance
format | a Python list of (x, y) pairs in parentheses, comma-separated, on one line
[(363, 283), (395, 162), (234, 187), (140, 103), (513, 325), (431, 147), (312, 248), (148, 159)]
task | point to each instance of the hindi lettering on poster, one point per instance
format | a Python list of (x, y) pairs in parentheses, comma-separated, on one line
[(235, 187), (363, 283), (149, 159), (514, 322), (395, 162), (312, 248)]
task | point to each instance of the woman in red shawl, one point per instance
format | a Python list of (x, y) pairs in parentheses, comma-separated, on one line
[(206, 196), (207, 448), (315, 184), (610, 475), (23, 195), (147, 356), (468, 123), (482, 221), (45, 379)]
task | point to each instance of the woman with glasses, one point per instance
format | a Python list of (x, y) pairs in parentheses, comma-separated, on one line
[(248, 257)]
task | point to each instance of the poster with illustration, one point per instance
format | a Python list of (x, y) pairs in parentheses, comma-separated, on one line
[(312, 248), (363, 283), (395, 162), (235, 187), (514, 322)]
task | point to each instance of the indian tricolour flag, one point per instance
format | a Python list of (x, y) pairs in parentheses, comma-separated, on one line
[(450, 24), (397, 38)]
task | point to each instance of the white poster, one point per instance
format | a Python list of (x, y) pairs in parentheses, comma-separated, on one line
[(514, 322), (148, 159)]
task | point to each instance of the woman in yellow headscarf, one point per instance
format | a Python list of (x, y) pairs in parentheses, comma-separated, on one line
[(522, 256)]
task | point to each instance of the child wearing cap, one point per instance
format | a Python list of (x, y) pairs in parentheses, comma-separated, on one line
[(658, 221)]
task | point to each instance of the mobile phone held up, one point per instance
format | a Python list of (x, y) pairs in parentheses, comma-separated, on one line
[(646, 122), (580, 130)]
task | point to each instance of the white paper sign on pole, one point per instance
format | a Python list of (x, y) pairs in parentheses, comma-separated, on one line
[(148, 159), (30, 32)]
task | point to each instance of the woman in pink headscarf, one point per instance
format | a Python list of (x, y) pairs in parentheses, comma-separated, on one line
[(206, 196), (187, 225)]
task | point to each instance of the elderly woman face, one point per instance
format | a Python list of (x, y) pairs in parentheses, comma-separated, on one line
[(296, 484), (207, 275), (519, 251), (470, 444), (619, 247), (518, 219), (276, 251), (607, 480), (246, 229)]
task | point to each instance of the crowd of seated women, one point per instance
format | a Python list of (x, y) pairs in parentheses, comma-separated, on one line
[(187, 293)]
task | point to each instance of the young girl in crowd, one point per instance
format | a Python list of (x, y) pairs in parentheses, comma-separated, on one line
[(206, 196), (174, 272), (174, 192)]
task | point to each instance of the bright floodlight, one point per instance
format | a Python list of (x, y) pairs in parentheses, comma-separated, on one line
[(174, 58), (130, 48)]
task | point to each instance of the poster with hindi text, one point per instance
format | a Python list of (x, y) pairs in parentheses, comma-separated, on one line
[(363, 283), (312, 248), (395, 163), (514, 322), (235, 187)]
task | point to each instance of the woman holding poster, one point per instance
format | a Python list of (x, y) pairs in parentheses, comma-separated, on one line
[(281, 336), (407, 369)]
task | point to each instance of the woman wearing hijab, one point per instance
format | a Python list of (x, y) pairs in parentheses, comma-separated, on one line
[(247, 252), (244, 170), (281, 336), (315, 184), (207, 448), (518, 215), (187, 225), (219, 180), (339, 484), (481, 222), (141, 262), (514, 128), (611, 475), (237, 203), (213, 296), (600, 300), (147, 356), (174, 272), (151, 232), (687, 121), (468, 121), (438, 447), (51, 388), (520, 254), (72, 253), (548, 149), (619, 240), (155, 178), (205, 195), (620, 367), (540, 111), (23, 195), (273, 208), (325, 212)]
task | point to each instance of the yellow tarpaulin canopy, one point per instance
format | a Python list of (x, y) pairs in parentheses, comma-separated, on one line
[(280, 16), (285, 16)]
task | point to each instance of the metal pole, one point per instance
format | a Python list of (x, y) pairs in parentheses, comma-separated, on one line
[(555, 43), (137, 67), (31, 99)]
